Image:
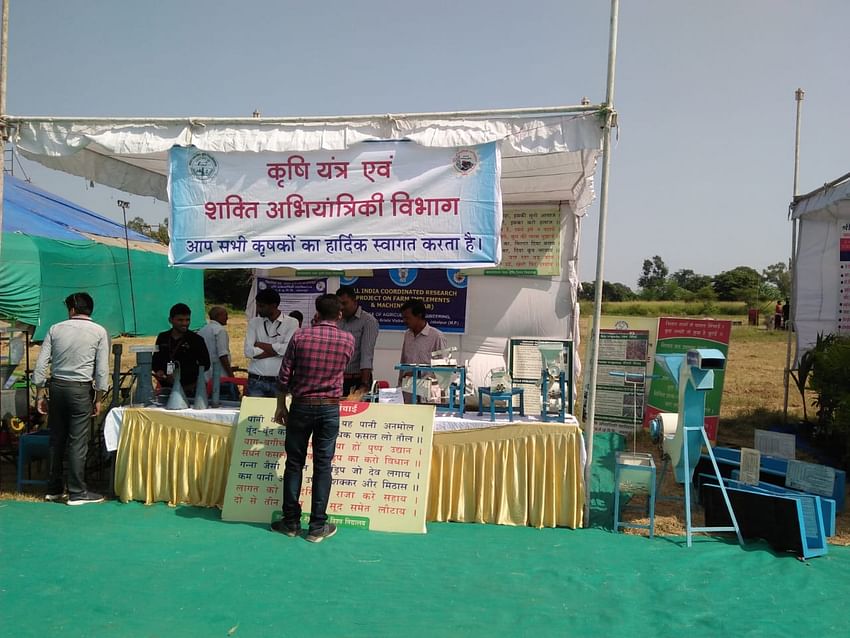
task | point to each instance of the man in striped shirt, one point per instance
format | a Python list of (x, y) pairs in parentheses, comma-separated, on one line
[(312, 372), (364, 328)]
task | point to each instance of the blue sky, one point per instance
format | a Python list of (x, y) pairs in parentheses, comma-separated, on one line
[(702, 167)]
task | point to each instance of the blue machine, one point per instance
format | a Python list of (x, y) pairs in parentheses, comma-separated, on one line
[(694, 375)]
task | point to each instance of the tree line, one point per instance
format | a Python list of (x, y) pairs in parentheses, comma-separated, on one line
[(656, 283)]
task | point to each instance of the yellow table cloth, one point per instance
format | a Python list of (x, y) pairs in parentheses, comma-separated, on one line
[(514, 474), (167, 457), (528, 474)]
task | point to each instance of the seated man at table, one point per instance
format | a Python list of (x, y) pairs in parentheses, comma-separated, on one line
[(179, 347), (420, 340)]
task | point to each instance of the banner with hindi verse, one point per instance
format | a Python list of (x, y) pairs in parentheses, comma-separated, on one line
[(380, 469), (375, 205)]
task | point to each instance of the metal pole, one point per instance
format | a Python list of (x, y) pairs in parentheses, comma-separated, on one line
[(799, 94), (124, 206), (600, 253), (4, 134)]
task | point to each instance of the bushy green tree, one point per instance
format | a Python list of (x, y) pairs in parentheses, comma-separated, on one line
[(739, 284), (778, 276), (653, 278)]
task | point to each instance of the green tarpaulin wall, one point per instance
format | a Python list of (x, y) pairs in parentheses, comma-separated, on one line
[(37, 273)]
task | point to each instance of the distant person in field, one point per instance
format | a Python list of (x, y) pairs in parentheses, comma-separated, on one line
[(215, 336), (777, 316)]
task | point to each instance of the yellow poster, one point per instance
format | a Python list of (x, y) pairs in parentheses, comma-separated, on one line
[(531, 243), (380, 468)]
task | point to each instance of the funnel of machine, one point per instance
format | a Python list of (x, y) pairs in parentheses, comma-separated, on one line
[(177, 399), (552, 358), (693, 374), (143, 393)]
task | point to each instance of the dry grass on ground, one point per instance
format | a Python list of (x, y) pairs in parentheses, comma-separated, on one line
[(753, 398)]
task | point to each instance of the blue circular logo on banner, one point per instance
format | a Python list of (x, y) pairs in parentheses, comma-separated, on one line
[(347, 281), (457, 278), (403, 276)]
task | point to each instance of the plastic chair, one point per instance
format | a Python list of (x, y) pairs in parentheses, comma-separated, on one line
[(32, 447)]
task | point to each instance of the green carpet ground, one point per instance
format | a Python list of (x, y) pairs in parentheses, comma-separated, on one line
[(132, 570)]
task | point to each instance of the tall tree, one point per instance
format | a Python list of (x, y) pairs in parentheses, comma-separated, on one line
[(159, 233), (653, 278), (779, 275)]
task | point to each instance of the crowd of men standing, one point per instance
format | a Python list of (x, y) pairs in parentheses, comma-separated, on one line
[(308, 369)]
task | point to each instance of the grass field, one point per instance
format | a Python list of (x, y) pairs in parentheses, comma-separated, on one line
[(752, 398)]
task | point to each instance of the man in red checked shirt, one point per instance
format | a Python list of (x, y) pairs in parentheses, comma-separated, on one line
[(312, 372)]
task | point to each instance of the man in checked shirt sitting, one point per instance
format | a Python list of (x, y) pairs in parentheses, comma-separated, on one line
[(312, 372)]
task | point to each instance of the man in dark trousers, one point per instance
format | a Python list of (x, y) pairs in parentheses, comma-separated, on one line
[(180, 347), (312, 372), (77, 351)]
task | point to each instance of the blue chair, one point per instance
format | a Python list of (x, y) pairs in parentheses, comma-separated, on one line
[(32, 447)]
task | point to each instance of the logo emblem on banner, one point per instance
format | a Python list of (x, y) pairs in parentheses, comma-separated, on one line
[(203, 167), (465, 161)]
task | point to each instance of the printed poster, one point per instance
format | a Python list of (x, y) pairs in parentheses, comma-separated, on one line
[(377, 204), (621, 380), (380, 470), (295, 294), (442, 291), (525, 365), (677, 336), (531, 243)]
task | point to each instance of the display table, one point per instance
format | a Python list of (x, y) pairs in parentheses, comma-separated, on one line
[(526, 473)]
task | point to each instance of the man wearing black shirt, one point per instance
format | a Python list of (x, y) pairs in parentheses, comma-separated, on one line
[(179, 346)]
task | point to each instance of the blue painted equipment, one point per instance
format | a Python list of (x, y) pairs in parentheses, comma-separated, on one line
[(694, 375)]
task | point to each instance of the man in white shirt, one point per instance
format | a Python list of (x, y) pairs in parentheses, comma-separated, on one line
[(266, 341), (218, 345), (77, 351)]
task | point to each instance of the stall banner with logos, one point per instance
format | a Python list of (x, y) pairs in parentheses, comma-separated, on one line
[(442, 291), (677, 335), (380, 204), (380, 469)]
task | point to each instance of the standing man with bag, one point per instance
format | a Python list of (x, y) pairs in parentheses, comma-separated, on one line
[(77, 351), (312, 372), (266, 340)]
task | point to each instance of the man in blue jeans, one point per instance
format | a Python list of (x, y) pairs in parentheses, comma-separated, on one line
[(312, 372)]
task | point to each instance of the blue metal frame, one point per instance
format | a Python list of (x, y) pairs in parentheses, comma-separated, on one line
[(501, 396), (619, 468), (417, 370)]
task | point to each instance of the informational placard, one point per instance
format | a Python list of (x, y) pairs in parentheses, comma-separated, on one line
[(442, 291), (531, 243), (380, 469), (677, 335), (750, 466), (525, 365), (621, 380), (844, 279), (387, 204), (295, 294), (778, 444), (811, 478)]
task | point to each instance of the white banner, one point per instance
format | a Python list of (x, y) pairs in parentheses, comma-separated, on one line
[(376, 205)]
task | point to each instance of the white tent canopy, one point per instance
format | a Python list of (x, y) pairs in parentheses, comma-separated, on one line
[(823, 217), (548, 155)]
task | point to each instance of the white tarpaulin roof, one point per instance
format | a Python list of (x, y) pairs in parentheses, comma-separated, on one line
[(548, 155), (823, 215)]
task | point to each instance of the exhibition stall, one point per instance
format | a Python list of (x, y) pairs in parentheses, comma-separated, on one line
[(821, 303), (346, 200)]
